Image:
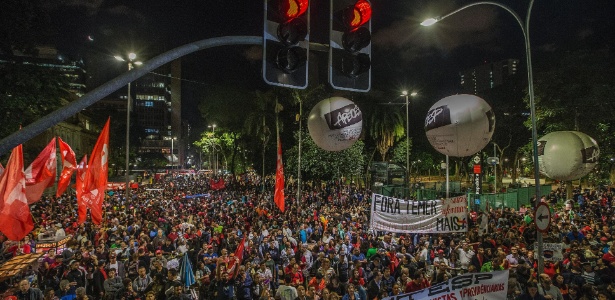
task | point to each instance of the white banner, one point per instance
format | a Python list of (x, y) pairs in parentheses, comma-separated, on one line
[(426, 216), (550, 251), (492, 286)]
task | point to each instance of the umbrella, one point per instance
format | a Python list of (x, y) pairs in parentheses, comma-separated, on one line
[(187, 276)]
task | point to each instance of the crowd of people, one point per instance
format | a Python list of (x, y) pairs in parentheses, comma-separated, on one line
[(320, 247)]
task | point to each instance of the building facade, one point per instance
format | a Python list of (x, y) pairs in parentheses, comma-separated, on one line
[(487, 76)]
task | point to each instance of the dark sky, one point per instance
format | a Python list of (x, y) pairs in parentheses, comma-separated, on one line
[(405, 55)]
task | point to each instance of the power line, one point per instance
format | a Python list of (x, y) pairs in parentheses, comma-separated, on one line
[(182, 79)]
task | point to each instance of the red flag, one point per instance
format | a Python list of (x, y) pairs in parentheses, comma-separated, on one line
[(216, 184), (80, 178), (278, 196), (95, 183), (239, 258), (14, 211), (69, 163), (41, 174)]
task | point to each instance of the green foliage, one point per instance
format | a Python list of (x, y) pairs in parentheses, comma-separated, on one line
[(576, 88), (425, 162), (27, 93), (318, 164), (574, 92), (153, 161), (385, 126), (398, 154)]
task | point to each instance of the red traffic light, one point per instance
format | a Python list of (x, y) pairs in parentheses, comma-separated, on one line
[(358, 14), (293, 8)]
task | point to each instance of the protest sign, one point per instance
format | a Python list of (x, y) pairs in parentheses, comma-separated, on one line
[(424, 216), (550, 252), (492, 286)]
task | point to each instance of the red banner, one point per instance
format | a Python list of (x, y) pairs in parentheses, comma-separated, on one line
[(278, 196), (14, 211), (217, 184), (69, 164), (41, 174), (95, 182), (233, 266), (81, 170)]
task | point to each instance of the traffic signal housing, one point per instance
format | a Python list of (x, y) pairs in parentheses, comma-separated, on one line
[(350, 45), (286, 41)]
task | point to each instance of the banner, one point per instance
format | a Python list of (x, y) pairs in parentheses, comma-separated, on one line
[(425, 216), (492, 286), (278, 195), (116, 186), (550, 251), (41, 173), (207, 195), (69, 164), (14, 211), (95, 182)]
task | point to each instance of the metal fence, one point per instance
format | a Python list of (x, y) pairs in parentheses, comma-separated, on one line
[(512, 198)]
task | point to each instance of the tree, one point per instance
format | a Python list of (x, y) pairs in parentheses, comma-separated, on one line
[(386, 126), (575, 88), (152, 161), (398, 155), (573, 92), (28, 92), (319, 164), (256, 123)]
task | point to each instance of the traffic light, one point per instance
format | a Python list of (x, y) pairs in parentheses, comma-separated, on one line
[(286, 41), (350, 45)]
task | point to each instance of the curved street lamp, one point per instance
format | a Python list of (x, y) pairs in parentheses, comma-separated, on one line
[(525, 26), (131, 63)]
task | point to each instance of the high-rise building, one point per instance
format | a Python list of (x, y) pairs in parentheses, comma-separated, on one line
[(78, 131), (157, 108), (487, 76)]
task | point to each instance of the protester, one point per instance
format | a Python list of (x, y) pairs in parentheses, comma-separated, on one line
[(321, 241)]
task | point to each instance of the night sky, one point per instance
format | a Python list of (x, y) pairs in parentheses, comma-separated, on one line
[(405, 54)]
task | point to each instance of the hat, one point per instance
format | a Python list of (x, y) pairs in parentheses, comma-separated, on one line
[(604, 238), (158, 251), (58, 225), (440, 251), (73, 261)]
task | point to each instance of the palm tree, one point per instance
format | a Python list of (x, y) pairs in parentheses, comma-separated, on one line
[(256, 122), (386, 126)]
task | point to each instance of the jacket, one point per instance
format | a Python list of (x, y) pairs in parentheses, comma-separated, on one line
[(30, 294)]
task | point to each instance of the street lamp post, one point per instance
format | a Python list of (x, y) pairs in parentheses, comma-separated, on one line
[(131, 62), (405, 94), (525, 26)]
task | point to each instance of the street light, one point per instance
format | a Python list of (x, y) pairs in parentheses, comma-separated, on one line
[(525, 26), (131, 63), (405, 94)]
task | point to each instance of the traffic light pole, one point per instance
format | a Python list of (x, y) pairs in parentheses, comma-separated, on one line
[(52, 119)]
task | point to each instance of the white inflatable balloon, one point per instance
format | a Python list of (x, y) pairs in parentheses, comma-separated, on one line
[(335, 123), (567, 155), (460, 125)]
